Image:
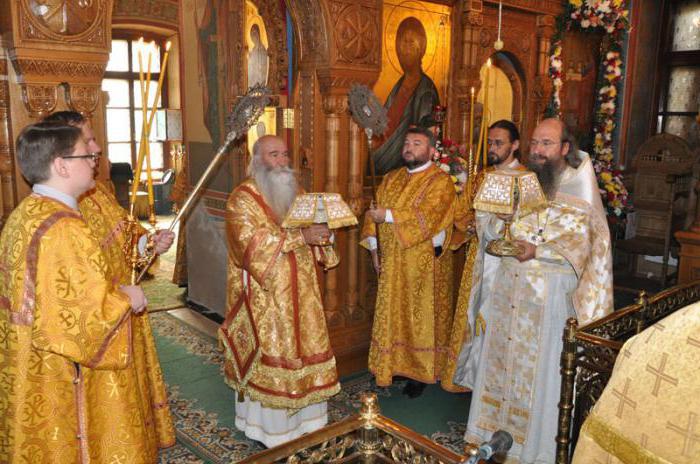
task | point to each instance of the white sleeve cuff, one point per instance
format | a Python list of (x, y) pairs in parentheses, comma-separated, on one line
[(143, 240), (439, 239), (372, 242), (389, 218)]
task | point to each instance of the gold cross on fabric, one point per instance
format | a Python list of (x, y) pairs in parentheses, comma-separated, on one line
[(660, 375), (690, 436), (624, 398)]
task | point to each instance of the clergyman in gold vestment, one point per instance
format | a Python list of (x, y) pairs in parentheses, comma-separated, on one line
[(413, 313), (143, 381), (65, 326), (649, 412), (278, 353)]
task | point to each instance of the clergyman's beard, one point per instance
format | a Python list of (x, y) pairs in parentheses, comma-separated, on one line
[(415, 163), (492, 159), (547, 176), (278, 186)]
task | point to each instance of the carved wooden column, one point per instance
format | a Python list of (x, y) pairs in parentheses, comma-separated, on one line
[(355, 202), (7, 189), (334, 106), (543, 84), (466, 75)]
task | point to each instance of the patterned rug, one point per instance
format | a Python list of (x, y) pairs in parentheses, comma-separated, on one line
[(202, 405)]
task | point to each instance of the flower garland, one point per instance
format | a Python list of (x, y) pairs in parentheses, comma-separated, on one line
[(611, 15), (555, 72), (449, 156)]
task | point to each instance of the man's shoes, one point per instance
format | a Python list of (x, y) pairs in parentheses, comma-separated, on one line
[(414, 389)]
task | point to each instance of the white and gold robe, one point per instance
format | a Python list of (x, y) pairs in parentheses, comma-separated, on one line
[(514, 370), (650, 409)]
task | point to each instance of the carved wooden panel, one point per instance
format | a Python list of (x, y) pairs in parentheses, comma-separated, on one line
[(40, 99), (80, 22), (7, 187), (357, 33), (153, 11), (311, 30)]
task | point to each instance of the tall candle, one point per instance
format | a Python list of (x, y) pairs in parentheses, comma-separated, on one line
[(471, 133), (485, 118), (148, 123), (139, 161)]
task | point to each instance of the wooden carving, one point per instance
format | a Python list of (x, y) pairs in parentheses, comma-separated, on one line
[(75, 21), (66, 70), (83, 98), (7, 188), (356, 33), (158, 11), (40, 99)]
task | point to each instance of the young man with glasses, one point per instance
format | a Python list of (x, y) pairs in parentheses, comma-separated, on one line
[(564, 270), (107, 221), (66, 325)]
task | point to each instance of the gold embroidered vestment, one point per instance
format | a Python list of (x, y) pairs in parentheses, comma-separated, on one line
[(413, 313), (142, 382), (275, 337), (65, 338)]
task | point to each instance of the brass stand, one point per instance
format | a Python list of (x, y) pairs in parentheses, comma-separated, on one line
[(504, 246)]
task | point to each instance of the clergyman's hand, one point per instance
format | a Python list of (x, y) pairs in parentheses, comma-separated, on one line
[(529, 251), (162, 241), (316, 234), (136, 297), (377, 214)]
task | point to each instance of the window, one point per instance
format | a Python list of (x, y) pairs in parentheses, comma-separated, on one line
[(125, 108), (679, 100)]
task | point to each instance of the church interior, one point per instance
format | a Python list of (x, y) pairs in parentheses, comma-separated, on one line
[(623, 75)]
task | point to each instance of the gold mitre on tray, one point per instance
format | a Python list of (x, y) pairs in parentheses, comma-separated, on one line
[(319, 208)]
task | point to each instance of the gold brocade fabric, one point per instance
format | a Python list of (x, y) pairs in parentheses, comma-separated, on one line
[(413, 312), (141, 384), (650, 409), (275, 337), (460, 332), (65, 339)]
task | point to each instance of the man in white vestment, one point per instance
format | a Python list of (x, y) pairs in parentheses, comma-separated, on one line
[(480, 272), (565, 270)]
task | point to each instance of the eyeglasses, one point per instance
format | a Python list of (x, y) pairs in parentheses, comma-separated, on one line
[(544, 143), (495, 143), (92, 156)]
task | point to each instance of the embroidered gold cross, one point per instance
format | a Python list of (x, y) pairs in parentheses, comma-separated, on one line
[(624, 399), (694, 342), (660, 375), (690, 436)]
